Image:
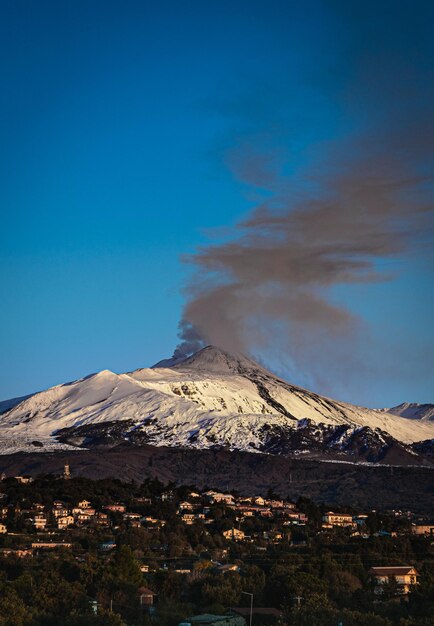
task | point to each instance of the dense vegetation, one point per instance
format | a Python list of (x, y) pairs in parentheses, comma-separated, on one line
[(315, 578)]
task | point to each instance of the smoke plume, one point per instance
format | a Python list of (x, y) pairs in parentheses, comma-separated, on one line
[(360, 203)]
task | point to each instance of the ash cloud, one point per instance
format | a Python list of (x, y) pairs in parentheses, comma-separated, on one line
[(362, 203)]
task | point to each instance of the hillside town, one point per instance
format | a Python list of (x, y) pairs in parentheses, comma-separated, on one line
[(209, 557)]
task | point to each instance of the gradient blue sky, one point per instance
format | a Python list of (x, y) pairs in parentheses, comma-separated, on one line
[(117, 120)]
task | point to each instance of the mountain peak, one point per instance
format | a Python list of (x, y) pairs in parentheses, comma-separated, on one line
[(212, 359), (413, 410), (217, 360)]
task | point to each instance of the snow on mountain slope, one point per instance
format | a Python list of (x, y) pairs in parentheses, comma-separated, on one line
[(212, 398), (413, 411)]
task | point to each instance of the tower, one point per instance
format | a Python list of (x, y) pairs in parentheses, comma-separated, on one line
[(66, 472)]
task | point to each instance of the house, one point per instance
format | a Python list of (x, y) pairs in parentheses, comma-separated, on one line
[(234, 534), (84, 504), (134, 523), (188, 518), (86, 511), (107, 546), (85, 516), (131, 516), (167, 496), (101, 519), (143, 500), (228, 567), (146, 596), (338, 519), (24, 480), (3, 529), (50, 545), (39, 521), (187, 506), (116, 508), (19, 553), (274, 504), (258, 500), (422, 529), (60, 511), (295, 517), (217, 497), (404, 575), (272, 535), (64, 522)]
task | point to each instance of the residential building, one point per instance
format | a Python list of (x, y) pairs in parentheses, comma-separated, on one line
[(234, 534), (39, 521), (404, 575), (338, 519), (217, 497), (116, 508), (64, 522), (422, 529)]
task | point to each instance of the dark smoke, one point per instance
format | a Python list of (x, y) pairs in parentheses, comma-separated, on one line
[(363, 203)]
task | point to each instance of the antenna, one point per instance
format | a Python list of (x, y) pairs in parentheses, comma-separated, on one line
[(298, 599)]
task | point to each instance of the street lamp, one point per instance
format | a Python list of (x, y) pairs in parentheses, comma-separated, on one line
[(251, 605)]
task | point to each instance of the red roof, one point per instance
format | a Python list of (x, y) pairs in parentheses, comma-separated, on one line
[(394, 570), (144, 591)]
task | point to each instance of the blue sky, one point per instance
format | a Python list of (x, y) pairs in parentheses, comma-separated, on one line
[(120, 124)]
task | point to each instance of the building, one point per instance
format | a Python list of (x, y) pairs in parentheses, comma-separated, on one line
[(3, 529), (295, 517), (84, 504), (19, 553), (404, 575), (116, 508), (146, 596), (234, 534), (50, 545), (24, 480), (167, 496), (228, 567), (187, 506), (422, 529), (66, 472), (101, 519), (60, 511), (64, 522), (217, 497), (339, 519), (39, 521)]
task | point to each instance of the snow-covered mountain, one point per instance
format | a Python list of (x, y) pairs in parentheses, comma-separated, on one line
[(210, 399), (414, 411)]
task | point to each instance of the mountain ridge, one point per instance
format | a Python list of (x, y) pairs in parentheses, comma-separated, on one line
[(212, 398)]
